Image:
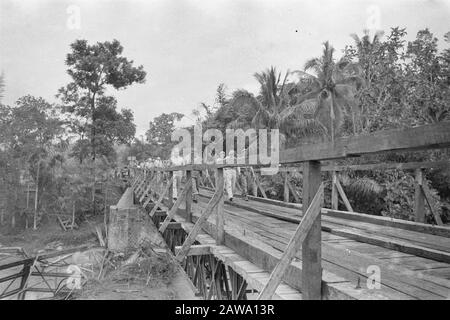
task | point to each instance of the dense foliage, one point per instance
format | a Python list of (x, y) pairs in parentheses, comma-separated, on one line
[(65, 153), (61, 158)]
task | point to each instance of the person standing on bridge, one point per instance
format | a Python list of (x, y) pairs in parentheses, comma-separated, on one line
[(242, 173), (176, 160), (230, 176), (195, 179)]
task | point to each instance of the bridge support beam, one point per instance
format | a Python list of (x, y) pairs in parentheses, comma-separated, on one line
[(419, 201), (311, 248), (189, 197)]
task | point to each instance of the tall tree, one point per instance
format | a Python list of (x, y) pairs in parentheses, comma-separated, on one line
[(332, 89), (31, 133), (93, 68), (160, 131), (428, 79), (272, 108)]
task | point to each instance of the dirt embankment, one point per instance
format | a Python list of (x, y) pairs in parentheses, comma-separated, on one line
[(151, 275)]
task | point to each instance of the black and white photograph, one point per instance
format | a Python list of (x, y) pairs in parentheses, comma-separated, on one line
[(190, 151)]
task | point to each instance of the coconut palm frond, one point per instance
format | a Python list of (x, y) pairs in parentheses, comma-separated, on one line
[(245, 100), (299, 98), (238, 123), (355, 38), (305, 127), (269, 81), (261, 118), (357, 82), (365, 188), (313, 64), (345, 91)]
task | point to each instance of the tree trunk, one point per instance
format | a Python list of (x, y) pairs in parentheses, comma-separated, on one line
[(332, 117), (93, 150), (36, 196), (93, 127)]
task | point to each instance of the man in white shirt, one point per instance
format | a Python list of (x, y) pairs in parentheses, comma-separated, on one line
[(230, 176), (176, 160), (242, 174), (195, 180)]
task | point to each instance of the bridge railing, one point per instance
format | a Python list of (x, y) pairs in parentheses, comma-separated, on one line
[(308, 234)]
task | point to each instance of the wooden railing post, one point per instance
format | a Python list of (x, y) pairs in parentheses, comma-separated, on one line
[(254, 184), (334, 191), (189, 197), (170, 200), (220, 222), (173, 210), (419, 201), (161, 198), (343, 195), (286, 187), (312, 245), (308, 219), (212, 204)]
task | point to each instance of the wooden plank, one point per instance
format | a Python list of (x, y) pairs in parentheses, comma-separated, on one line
[(141, 184), (294, 192), (440, 272), (418, 138), (388, 240), (419, 204), (208, 177), (198, 225), (189, 197), (170, 197), (431, 203), (220, 221), (62, 224), (334, 191), (389, 243), (256, 179), (312, 252), (195, 250), (409, 287), (378, 220), (372, 166), (256, 277), (161, 197), (266, 257), (174, 208), (174, 226), (294, 244), (284, 212), (147, 189), (343, 195), (286, 187), (351, 261), (389, 166), (391, 222)]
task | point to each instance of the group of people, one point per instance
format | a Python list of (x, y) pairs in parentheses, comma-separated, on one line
[(232, 175)]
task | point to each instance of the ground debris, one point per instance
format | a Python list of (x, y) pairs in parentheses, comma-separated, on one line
[(139, 270)]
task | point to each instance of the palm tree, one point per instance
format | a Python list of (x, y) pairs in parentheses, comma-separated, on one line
[(331, 91), (272, 107)]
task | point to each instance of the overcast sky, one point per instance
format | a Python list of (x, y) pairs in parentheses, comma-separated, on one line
[(188, 47)]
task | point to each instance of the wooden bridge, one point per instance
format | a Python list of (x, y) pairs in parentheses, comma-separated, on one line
[(266, 249)]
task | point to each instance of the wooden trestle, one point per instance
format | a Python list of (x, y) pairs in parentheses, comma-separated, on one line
[(266, 249)]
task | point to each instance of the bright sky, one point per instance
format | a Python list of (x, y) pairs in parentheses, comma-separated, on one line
[(188, 47)]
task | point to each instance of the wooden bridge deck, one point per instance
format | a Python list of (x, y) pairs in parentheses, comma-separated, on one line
[(412, 264)]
